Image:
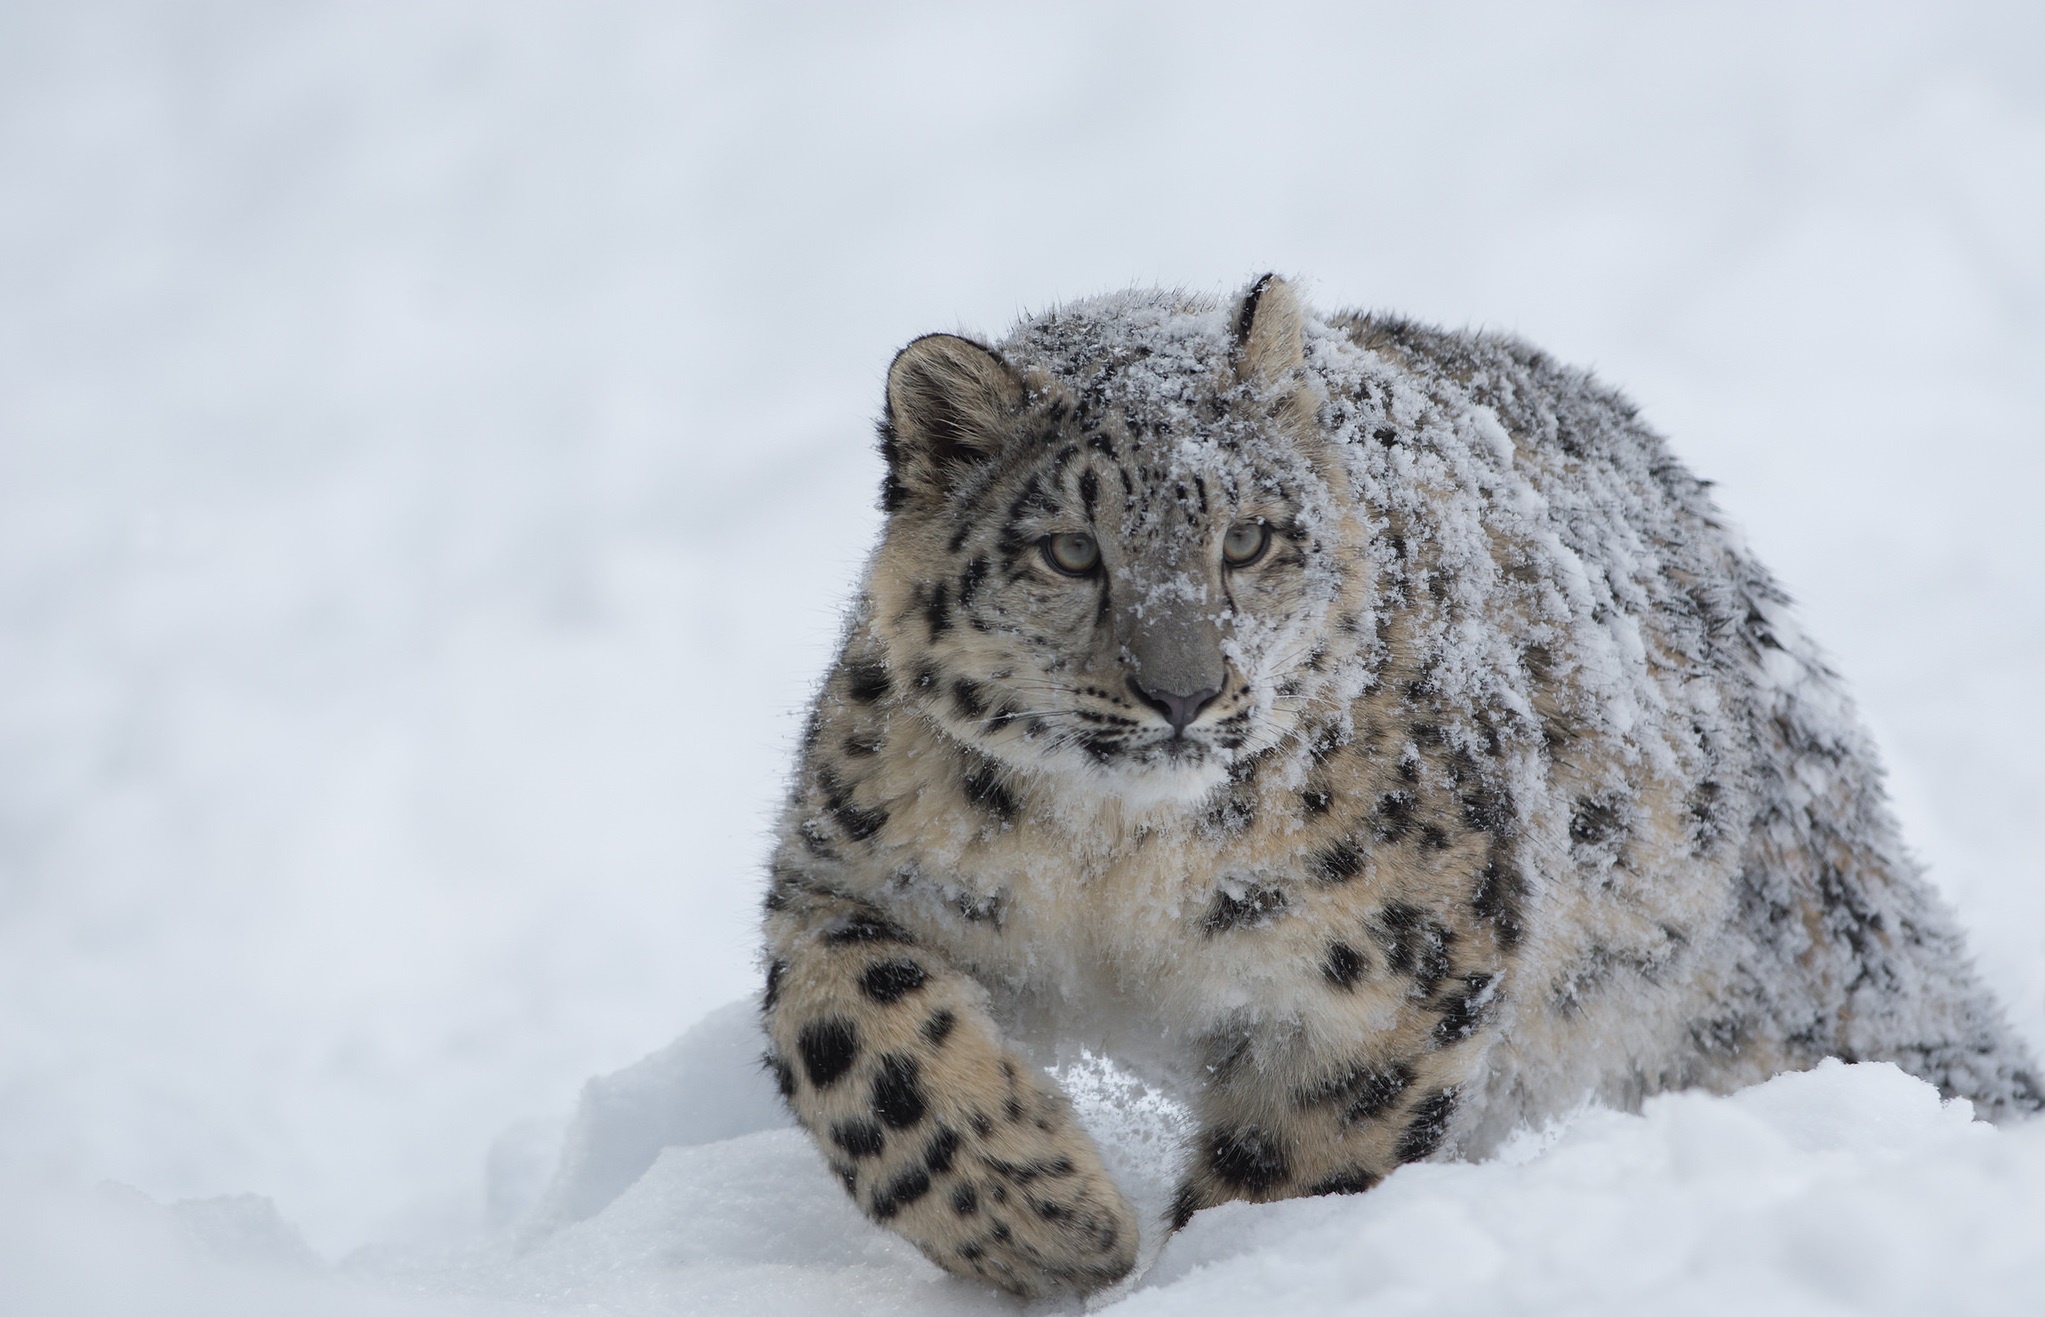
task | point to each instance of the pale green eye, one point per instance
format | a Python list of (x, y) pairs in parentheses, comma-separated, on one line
[(1072, 553), (1245, 543)]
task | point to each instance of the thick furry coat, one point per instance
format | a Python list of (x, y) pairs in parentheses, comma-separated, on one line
[(1373, 727)]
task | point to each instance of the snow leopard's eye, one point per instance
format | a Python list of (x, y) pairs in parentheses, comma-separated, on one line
[(1245, 543), (1072, 553)]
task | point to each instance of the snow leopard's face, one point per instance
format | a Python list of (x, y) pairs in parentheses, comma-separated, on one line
[(1123, 586)]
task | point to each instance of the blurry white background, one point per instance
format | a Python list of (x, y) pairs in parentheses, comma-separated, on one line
[(435, 444)]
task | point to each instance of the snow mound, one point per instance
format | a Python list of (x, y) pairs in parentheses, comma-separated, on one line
[(681, 1188), (1847, 1188), (705, 1087)]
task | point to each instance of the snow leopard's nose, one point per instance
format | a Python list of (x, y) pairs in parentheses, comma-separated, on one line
[(1178, 709), (1170, 639)]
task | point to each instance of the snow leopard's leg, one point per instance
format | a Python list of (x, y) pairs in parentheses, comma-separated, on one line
[(1374, 1045), (936, 1128), (1323, 1130), (1286, 1126)]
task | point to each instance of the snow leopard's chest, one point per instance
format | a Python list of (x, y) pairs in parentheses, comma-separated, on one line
[(1327, 857)]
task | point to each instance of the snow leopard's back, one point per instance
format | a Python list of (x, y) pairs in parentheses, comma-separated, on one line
[(1820, 936)]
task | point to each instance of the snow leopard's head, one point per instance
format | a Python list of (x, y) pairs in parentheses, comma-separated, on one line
[(1111, 558)]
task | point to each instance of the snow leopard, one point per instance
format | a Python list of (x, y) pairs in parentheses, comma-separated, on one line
[(1375, 727)]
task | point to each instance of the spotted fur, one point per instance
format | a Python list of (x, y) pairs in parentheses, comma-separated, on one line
[(1497, 777)]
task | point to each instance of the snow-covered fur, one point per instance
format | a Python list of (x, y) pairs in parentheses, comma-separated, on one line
[(1373, 727)]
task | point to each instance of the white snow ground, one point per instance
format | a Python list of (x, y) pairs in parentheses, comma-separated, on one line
[(434, 445)]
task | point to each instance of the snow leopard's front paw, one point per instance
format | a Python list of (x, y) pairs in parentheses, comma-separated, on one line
[(937, 1130)]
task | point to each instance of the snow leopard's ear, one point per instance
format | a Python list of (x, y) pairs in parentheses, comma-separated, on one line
[(1269, 336), (951, 404)]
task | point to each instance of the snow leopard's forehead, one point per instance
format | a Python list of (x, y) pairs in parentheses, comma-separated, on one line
[(1156, 357), (1157, 371)]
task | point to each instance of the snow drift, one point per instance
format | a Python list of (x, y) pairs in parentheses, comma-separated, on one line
[(682, 1187)]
